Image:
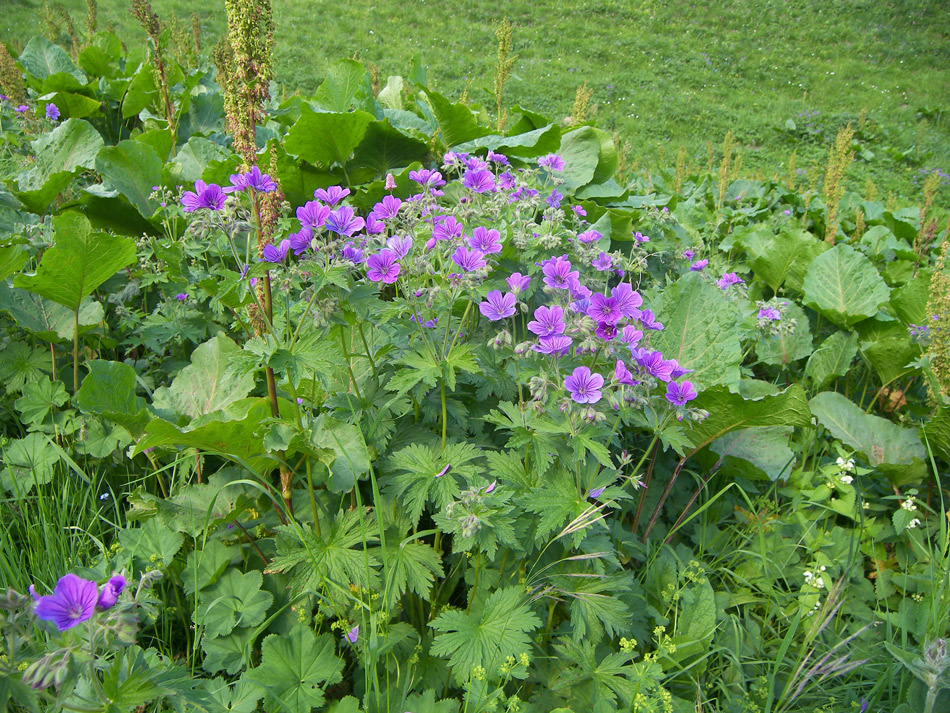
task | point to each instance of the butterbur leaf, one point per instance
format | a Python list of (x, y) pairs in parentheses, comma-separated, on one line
[(295, 669), (844, 286), (236, 600), (501, 629), (109, 390), (832, 359), (347, 86), (42, 58), (452, 123), (326, 138), (79, 261)]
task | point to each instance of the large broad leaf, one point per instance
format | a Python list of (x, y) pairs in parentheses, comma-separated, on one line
[(385, 149), (73, 105), (326, 138), (538, 142), (41, 58), (192, 160), (205, 386), (881, 441), (44, 318), (346, 87), (888, 347), (346, 441), (205, 115), (60, 155), (844, 286), (295, 669), (700, 330), (782, 349), (12, 258), (733, 412), (79, 261), (580, 150), (109, 390), (454, 124), (909, 301), (832, 359), (765, 448), (132, 168), (784, 258)]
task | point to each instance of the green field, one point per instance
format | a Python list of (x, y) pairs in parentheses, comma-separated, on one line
[(663, 74)]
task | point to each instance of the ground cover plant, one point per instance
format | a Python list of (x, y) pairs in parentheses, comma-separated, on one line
[(372, 399)]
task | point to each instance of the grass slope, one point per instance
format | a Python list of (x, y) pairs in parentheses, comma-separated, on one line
[(663, 74)]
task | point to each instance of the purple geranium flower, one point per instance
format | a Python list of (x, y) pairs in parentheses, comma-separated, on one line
[(448, 228), (583, 386), (343, 222), (579, 210), (313, 214), (555, 345), (497, 158), (22, 109), (698, 265), (649, 321), (72, 602), (602, 263), (204, 196), (640, 238), (374, 226), (488, 241), (52, 112), (728, 279), (479, 180), (604, 309), (679, 394), (655, 365), (628, 300), (426, 177), (606, 331), (547, 321), (554, 200), (253, 179), (332, 195), (387, 208), (497, 305), (678, 370), (589, 236), (769, 314), (301, 240), (351, 253), (468, 260), (505, 181), (631, 336), (622, 374), (276, 254), (552, 162), (353, 634), (110, 592), (400, 245), (557, 273), (689, 254), (383, 267), (595, 492), (181, 296), (518, 282)]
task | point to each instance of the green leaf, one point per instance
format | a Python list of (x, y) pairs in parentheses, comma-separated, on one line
[(235, 601), (205, 116), (152, 545), (239, 697), (132, 168), (580, 150), (785, 258), (73, 105), (192, 159), (832, 359), (109, 390), (41, 58), (79, 261), (326, 138), (99, 439), (909, 301), (29, 462), (877, 438), (844, 286), (937, 431), (228, 653), (697, 620), (732, 412), (454, 123), (12, 258), (765, 448), (347, 86), (538, 142), (486, 639), (784, 348), (390, 96), (206, 385), (295, 669), (385, 149), (346, 441), (20, 363), (888, 347), (60, 155), (413, 566), (700, 330), (39, 399), (416, 467), (44, 318)]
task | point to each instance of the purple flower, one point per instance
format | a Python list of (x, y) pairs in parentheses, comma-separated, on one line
[(22, 109), (469, 260), (332, 195), (517, 282), (353, 254), (343, 222), (631, 336), (602, 263), (689, 254), (497, 158), (679, 394), (604, 309), (400, 246), (204, 196), (301, 240), (426, 177), (110, 592), (579, 210), (698, 265), (583, 386), (555, 345), (313, 214), (488, 241), (595, 492), (353, 634), (728, 279), (253, 179), (52, 112), (655, 365), (479, 180), (387, 208), (498, 306), (579, 291), (475, 163), (589, 236), (72, 602), (447, 229), (622, 374), (383, 267), (649, 321), (506, 181), (554, 200), (428, 324), (552, 162), (442, 472), (181, 296), (640, 238), (374, 226), (276, 254), (390, 182), (628, 300), (677, 370), (769, 314), (558, 274), (547, 321), (606, 331)]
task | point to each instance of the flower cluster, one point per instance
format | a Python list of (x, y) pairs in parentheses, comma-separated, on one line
[(74, 600)]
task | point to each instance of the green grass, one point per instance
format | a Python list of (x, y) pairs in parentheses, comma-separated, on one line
[(663, 74)]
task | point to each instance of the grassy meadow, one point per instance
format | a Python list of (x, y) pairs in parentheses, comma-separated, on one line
[(663, 75)]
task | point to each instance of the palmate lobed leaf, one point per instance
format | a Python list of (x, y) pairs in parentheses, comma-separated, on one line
[(236, 600)]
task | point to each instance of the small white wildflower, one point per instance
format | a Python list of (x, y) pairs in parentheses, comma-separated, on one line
[(822, 568), (913, 523), (819, 582), (909, 505), (840, 462), (865, 505), (847, 479), (808, 576)]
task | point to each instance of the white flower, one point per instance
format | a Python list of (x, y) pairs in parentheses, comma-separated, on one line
[(847, 479), (808, 576), (822, 568), (913, 523), (908, 505), (819, 582)]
